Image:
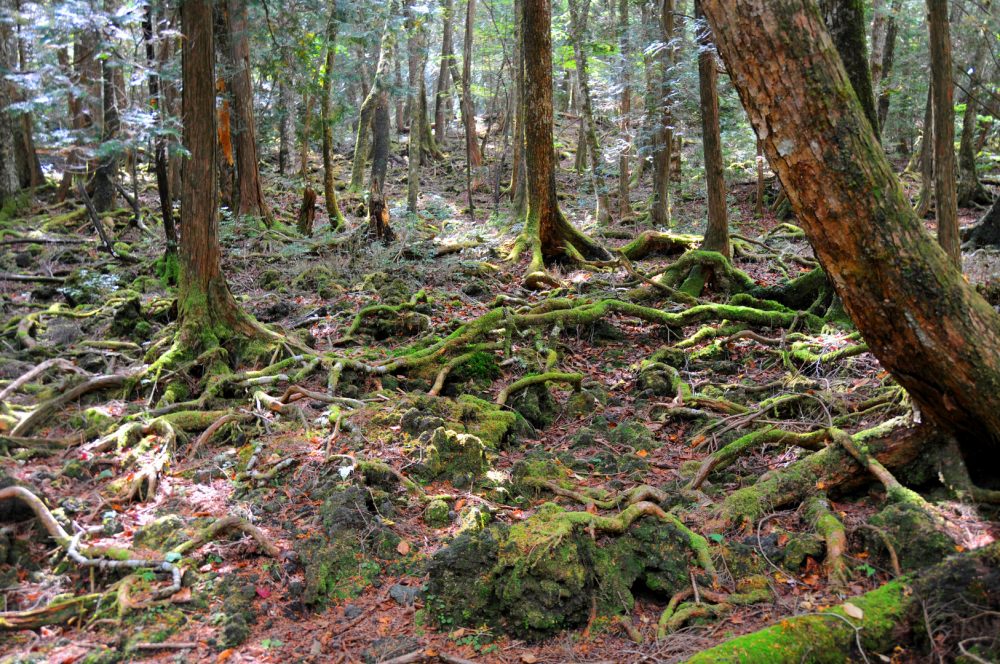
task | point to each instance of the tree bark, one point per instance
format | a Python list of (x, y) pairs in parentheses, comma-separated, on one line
[(928, 327), (159, 141), (625, 110), (717, 232), (663, 140), (474, 157), (336, 218), (416, 53), (107, 167), (29, 168), (546, 231), (376, 93), (286, 123), (307, 102), (926, 194), (845, 19), (598, 178), (9, 182), (206, 310), (888, 50), (441, 94), (518, 189), (970, 189), (942, 88)]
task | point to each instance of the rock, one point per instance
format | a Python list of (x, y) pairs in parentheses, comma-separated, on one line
[(436, 514), (163, 534), (404, 595), (352, 611), (461, 457), (536, 405), (22, 259), (914, 535), (75, 469)]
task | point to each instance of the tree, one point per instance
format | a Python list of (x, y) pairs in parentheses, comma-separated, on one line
[(717, 233), (378, 94), (329, 186), (578, 23), (416, 55), (663, 136), (624, 109), (9, 182), (845, 19), (942, 91), (928, 327), (160, 141), (884, 30), (473, 156), (250, 194), (441, 94), (970, 189), (547, 234), (207, 313)]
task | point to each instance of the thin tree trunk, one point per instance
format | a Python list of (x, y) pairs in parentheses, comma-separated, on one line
[(251, 193), (518, 191), (970, 190), (9, 183), (336, 218), (926, 195), (717, 233), (845, 19), (107, 168), (625, 110), (441, 93), (376, 93), (28, 165), (945, 206), (474, 157), (926, 325), (885, 69), (759, 198), (659, 207), (416, 53), (286, 124), (160, 140), (307, 102), (578, 20)]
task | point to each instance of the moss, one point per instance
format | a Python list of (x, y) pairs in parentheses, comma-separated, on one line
[(913, 534), (336, 568), (273, 280), (167, 269), (437, 514), (536, 405), (479, 366), (75, 469), (317, 279), (633, 434), (162, 534), (460, 457)]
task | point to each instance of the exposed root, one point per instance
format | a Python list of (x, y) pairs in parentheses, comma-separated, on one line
[(45, 410), (573, 379), (819, 514)]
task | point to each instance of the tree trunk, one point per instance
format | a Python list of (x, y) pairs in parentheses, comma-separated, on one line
[(377, 91), (286, 123), (945, 204), (416, 52), (107, 167), (663, 138), (717, 233), (441, 94), (970, 190), (29, 168), (928, 327), (926, 194), (251, 194), (307, 102), (428, 146), (598, 178), (159, 141), (474, 157), (885, 69), (624, 109), (518, 190), (546, 231), (845, 19), (9, 182), (336, 218), (206, 310), (987, 231)]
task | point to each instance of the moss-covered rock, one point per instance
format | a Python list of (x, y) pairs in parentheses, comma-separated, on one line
[(536, 405), (437, 514), (459, 457), (317, 279), (915, 537), (495, 427), (545, 573), (161, 534)]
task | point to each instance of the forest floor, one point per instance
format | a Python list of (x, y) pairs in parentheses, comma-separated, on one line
[(348, 581)]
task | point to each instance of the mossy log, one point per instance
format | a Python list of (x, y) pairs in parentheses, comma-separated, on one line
[(650, 243)]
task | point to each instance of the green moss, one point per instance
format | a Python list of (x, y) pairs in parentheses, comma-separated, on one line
[(167, 269), (162, 534), (480, 365), (437, 514), (460, 457)]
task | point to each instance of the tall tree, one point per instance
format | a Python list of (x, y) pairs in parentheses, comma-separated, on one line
[(925, 324), (717, 233), (250, 193), (441, 94), (845, 19), (663, 136), (942, 89), (970, 189), (883, 56), (416, 55), (547, 234), (206, 310), (104, 192), (518, 197), (624, 109), (378, 93), (160, 140), (473, 156), (579, 11), (9, 183), (333, 212)]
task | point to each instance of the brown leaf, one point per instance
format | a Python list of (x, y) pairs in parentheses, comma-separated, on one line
[(403, 547)]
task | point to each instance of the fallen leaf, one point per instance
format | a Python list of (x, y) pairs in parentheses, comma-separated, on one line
[(403, 547), (263, 592), (225, 654), (528, 658), (853, 611)]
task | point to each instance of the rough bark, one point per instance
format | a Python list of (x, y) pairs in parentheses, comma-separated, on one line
[(107, 167), (888, 51), (926, 157), (518, 189), (845, 19), (546, 231), (474, 157), (926, 325), (416, 53), (987, 230), (206, 310), (377, 91), (942, 89), (970, 189), (29, 168), (329, 186), (579, 11), (717, 232), (9, 182), (659, 207), (441, 93), (250, 192)]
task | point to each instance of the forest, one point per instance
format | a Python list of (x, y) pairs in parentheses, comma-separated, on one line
[(511, 331)]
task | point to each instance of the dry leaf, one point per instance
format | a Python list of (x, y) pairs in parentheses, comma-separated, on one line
[(853, 611), (225, 654), (528, 658), (403, 547)]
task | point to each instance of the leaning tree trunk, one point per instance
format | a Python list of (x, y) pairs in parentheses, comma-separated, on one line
[(845, 19), (663, 137), (987, 231), (336, 218), (928, 327), (717, 233), (578, 22), (547, 233), (375, 93), (942, 89), (206, 310), (250, 193)]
